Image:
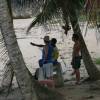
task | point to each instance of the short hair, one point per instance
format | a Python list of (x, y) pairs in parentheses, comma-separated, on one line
[(46, 38), (54, 40), (76, 36)]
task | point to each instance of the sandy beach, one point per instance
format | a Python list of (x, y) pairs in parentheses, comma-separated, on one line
[(31, 55)]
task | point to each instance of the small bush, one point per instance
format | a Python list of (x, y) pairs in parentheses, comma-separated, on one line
[(97, 61)]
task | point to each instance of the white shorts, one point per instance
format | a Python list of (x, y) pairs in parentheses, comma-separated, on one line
[(40, 74), (48, 70)]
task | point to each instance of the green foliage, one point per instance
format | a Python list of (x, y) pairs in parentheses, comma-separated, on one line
[(49, 10), (78, 4), (52, 9), (97, 61), (82, 18)]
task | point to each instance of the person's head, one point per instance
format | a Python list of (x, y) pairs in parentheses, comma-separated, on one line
[(75, 37), (46, 39), (53, 41)]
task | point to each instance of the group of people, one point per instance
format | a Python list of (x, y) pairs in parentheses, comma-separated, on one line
[(50, 55)]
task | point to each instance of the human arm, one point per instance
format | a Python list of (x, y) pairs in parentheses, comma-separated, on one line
[(38, 45)]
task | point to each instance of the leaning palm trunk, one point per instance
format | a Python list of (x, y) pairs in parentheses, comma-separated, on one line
[(19, 67), (92, 70), (7, 77)]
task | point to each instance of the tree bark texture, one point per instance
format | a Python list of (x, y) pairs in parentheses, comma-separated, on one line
[(15, 55)]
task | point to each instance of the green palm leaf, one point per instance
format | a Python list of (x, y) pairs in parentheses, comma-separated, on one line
[(78, 3), (50, 10)]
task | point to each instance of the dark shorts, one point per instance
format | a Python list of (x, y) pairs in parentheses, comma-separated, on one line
[(76, 62)]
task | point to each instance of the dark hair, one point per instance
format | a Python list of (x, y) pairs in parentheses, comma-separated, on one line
[(53, 40), (46, 41), (75, 36)]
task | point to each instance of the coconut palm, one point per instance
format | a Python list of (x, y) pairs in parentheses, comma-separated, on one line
[(68, 8), (15, 56), (29, 88)]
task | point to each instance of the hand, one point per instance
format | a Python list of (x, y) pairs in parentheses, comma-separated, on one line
[(71, 63), (32, 43)]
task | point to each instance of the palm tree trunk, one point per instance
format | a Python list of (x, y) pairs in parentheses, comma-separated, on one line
[(19, 67), (92, 70), (7, 76)]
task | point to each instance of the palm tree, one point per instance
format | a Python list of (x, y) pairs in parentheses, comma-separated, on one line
[(69, 9), (7, 77), (90, 66), (29, 87), (6, 24), (15, 56)]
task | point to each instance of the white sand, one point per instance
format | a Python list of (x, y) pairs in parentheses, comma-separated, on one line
[(32, 54)]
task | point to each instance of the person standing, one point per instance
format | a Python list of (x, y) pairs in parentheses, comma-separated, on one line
[(55, 53), (76, 57)]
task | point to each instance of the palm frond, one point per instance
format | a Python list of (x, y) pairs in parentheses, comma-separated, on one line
[(25, 7), (24, 2), (49, 10), (78, 3), (36, 20)]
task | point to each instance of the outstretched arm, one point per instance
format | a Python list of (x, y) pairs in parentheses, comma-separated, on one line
[(38, 45)]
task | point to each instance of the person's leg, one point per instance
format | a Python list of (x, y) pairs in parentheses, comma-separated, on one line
[(73, 73), (49, 71), (44, 71), (77, 72), (76, 67), (41, 75)]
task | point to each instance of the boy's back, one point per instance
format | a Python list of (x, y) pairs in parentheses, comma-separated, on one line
[(55, 54)]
